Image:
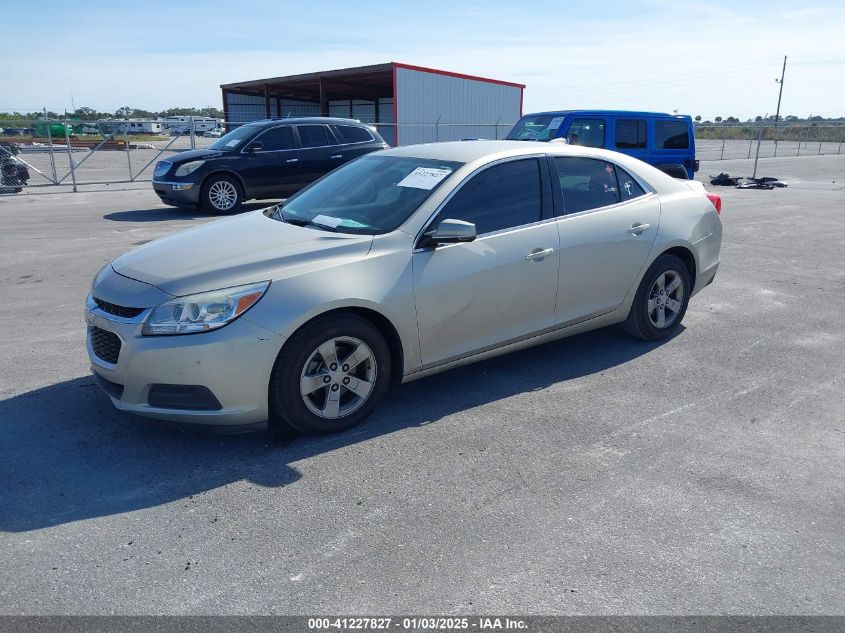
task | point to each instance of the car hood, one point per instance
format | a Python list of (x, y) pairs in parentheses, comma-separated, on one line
[(194, 154), (240, 250)]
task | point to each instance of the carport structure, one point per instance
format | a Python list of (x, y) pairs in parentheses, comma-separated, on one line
[(407, 103)]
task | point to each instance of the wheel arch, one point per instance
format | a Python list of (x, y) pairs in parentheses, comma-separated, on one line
[(226, 172), (688, 257), (380, 321)]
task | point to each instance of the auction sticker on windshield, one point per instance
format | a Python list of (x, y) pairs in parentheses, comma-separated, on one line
[(424, 177)]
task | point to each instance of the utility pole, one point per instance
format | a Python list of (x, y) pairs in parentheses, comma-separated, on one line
[(780, 94)]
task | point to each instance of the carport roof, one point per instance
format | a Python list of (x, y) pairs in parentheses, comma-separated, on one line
[(360, 82)]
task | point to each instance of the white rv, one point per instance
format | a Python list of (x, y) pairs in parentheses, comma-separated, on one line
[(130, 126), (182, 124)]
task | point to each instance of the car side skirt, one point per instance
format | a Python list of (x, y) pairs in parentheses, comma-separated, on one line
[(616, 316)]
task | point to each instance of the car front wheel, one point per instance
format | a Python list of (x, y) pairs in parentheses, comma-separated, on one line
[(221, 194), (661, 300), (330, 375)]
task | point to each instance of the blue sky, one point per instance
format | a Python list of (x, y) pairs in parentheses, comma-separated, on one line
[(708, 58)]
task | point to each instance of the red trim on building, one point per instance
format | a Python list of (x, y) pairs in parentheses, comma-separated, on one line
[(447, 73), (521, 95), (395, 111)]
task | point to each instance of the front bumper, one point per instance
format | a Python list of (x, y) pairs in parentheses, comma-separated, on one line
[(233, 364), (176, 192)]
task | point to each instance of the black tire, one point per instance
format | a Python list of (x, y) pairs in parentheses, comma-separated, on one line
[(639, 322), (210, 196), (287, 404), (676, 171)]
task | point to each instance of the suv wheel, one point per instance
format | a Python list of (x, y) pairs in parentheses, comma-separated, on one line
[(330, 375), (221, 194)]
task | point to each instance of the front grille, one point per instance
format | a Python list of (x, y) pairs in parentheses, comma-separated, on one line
[(114, 389), (106, 345), (121, 311)]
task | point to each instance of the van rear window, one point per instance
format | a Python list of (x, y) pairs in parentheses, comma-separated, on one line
[(671, 134)]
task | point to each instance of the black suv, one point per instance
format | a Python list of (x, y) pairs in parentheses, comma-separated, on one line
[(263, 159)]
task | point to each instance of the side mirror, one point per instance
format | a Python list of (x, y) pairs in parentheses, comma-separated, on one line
[(451, 232), (255, 147)]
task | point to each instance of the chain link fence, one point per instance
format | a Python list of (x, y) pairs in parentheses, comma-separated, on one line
[(50, 153), (764, 149), (67, 154), (58, 153)]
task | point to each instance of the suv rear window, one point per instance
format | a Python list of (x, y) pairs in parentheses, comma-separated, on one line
[(315, 136), (630, 133), (352, 134), (671, 134)]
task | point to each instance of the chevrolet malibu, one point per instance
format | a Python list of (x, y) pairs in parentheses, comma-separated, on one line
[(400, 264)]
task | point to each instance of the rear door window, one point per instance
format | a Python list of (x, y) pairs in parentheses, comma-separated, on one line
[(586, 183), (628, 187), (315, 136), (630, 133), (586, 132), (671, 134)]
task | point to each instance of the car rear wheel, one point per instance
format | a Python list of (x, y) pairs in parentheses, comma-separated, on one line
[(221, 194), (661, 300), (330, 375)]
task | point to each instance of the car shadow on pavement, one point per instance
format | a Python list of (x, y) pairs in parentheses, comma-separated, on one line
[(165, 214), (68, 455)]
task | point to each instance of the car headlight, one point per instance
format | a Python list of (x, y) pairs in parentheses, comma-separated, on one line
[(204, 311), (189, 168), (161, 168)]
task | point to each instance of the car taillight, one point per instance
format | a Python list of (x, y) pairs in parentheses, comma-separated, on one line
[(716, 200)]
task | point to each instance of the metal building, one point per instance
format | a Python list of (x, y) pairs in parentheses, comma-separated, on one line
[(408, 104)]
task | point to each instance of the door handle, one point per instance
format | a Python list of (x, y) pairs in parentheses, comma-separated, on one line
[(539, 254), (292, 160), (337, 156), (638, 228)]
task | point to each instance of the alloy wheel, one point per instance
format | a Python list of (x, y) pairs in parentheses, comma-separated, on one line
[(665, 299), (223, 195), (338, 377)]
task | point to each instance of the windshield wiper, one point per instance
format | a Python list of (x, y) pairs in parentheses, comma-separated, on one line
[(279, 215), (327, 227)]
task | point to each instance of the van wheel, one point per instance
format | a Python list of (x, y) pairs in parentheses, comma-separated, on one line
[(330, 375), (661, 300), (221, 194)]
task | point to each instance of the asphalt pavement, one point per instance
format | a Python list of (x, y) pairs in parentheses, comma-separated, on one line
[(595, 475)]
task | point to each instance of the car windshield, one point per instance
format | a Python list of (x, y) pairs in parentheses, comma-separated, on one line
[(374, 194), (536, 127), (234, 139)]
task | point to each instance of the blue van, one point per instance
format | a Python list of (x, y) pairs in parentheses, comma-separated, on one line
[(666, 141)]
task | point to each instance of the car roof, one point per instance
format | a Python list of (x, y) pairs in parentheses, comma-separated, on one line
[(326, 120), (479, 152), (469, 151), (607, 113)]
